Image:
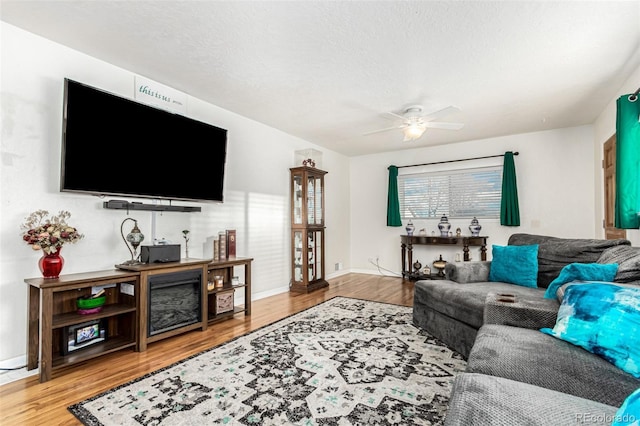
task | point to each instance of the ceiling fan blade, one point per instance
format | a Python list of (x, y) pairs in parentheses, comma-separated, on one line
[(441, 125), (385, 130), (443, 112), (395, 116)]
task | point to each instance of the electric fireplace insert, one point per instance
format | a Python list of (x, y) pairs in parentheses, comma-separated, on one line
[(175, 300)]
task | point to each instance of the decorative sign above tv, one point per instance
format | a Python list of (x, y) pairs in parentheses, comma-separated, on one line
[(119, 147), (156, 94)]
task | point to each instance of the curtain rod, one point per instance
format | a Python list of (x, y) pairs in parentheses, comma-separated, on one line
[(455, 161), (634, 96)]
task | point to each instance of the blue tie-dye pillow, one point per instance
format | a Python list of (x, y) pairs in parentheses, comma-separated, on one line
[(603, 319), (629, 412)]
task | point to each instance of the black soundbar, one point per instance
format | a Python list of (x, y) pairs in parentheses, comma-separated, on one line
[(126, 205)]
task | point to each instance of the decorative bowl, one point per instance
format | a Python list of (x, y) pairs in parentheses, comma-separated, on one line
[(87, 302)]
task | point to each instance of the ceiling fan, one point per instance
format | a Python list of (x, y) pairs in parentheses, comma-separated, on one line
[(414, 123)]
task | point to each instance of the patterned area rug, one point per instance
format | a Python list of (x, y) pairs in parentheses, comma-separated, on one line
[(343, 362)]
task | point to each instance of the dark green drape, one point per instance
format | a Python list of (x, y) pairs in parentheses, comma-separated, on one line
[(509, 208), (627, 162), (393, 206)]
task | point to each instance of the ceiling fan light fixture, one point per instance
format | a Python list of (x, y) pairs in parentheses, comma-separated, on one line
[(413, 131)]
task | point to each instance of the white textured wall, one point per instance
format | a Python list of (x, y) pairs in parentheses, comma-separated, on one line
[(555, 188), (256, 188)]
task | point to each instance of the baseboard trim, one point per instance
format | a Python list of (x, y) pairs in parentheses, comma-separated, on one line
[(17, 362)]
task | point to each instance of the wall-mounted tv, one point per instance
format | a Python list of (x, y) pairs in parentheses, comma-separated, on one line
[(115, 146)]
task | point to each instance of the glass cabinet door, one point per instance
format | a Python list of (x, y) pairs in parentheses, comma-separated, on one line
[(314, 253), (297, 256), (307, 256), (318, 202), (311, 201), (297, 199)]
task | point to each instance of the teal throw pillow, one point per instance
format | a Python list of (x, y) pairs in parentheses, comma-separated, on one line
[(582, 272), (604, 319), (515, 265), (629, 412)]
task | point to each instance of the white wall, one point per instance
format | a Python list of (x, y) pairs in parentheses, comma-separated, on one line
[(555, 188), (604, 128), (256, 186)]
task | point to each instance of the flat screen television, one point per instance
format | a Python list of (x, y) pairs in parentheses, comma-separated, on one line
[(113, 146)]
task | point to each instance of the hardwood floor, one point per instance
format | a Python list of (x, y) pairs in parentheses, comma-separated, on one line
[(29, 402)]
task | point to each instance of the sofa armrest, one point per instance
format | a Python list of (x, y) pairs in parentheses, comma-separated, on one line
[(468, 272), (518, 311)]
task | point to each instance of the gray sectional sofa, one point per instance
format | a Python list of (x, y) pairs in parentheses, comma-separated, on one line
[(515, 374)]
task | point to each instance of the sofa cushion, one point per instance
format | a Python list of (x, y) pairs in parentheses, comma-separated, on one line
[(478, 399), (554, 253), (581, 272), (628, 260), (468, 272), (536, 358), (520, 311), (515, 265), (603, 319)]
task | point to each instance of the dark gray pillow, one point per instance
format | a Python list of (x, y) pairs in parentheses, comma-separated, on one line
[(628, 260)]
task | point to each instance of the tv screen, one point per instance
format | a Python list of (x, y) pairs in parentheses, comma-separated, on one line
[(119, 147)]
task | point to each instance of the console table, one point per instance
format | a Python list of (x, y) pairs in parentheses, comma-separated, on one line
[(122, 323), (407, 242)]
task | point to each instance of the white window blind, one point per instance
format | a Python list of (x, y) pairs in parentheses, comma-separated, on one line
[(456, 193)]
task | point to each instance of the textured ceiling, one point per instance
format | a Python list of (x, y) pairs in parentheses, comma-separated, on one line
[(327, 71)]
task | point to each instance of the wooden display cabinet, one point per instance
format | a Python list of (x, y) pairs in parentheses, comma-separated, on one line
[(307, 229), (218, 308), (53, 314)]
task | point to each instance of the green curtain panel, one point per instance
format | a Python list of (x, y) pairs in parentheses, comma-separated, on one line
[(393, 205), (509, 208), (627, 162)]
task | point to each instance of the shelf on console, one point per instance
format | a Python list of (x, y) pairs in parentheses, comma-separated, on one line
[(72, 318)]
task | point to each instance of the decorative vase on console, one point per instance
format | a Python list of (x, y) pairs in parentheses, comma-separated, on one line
[(410, 227), (475, 227), (444, 226), (51, 264)]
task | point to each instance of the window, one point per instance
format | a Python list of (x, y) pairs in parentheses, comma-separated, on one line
[(456, 193)]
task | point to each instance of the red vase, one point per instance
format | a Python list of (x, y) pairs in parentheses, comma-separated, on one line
[(51, 265)]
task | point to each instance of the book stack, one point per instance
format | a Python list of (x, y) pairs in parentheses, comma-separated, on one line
[(224, 247)]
